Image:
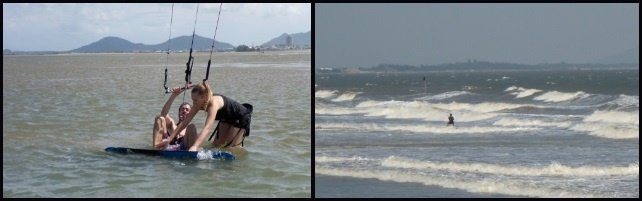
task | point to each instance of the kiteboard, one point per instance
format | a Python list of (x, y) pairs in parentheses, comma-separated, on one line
[(202, 155)]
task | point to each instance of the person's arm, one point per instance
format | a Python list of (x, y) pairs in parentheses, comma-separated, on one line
[(170, 100), (209, 122)]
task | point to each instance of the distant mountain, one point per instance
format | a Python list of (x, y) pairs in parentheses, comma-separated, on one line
[(200, 44), (115, 44), (299, 39), (631, 56), (110, 44)]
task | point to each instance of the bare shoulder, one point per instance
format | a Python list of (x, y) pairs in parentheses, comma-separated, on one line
[(217, 102)]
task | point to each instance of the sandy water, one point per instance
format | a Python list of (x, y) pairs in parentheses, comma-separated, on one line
[(61, 111)]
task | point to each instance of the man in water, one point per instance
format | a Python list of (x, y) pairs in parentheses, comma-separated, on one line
[(164, 125), (451, 120)]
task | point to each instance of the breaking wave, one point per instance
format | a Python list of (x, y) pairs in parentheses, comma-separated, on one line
[(325, 93), (523, 122), (556, 96), (521, 92), (477, 186), (325, 159), (445, 95), (463, 112), (611, 124), (626, 101), (347, 96), (399, 169), (554, 169)]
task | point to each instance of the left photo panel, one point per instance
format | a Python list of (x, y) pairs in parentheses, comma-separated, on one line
[(157, 100)]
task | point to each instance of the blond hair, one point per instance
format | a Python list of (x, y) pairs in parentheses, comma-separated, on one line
[(203, 89)]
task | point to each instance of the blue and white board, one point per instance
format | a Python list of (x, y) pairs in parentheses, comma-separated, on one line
[(202, 155)]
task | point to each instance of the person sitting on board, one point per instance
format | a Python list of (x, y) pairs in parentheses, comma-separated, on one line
[(451, 120), (164, 125), (234, 119)]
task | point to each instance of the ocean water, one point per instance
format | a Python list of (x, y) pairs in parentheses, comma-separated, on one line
[(520, 133), (61, 111)]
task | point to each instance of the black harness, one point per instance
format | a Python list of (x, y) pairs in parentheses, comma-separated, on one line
[(242, 121)]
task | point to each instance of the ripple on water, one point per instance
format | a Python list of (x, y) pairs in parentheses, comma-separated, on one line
[(59, 118)]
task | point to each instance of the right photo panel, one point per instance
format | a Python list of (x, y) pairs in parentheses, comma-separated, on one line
[(476, 100)]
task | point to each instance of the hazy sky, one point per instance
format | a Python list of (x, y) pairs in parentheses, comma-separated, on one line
[(58, 27), (348, 35)]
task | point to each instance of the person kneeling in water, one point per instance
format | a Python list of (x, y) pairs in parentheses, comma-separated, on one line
[(451, 120), (234, 118)]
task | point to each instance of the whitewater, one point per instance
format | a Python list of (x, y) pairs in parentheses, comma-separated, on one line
[(555, 133)]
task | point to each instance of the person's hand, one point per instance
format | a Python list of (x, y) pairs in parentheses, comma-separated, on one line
[(162, 145), (176, 91)]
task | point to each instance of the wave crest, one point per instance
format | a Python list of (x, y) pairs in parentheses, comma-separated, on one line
[(611, 124), (483, 186), (521, 92), (347, 96), (538, 123), (556, 96), (325, 93), (445, 95), (554, 169)]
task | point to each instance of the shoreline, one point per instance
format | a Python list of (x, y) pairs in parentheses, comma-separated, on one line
[(55, 53)]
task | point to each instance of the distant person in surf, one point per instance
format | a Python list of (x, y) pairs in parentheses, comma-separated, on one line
[(164, 125), (234, 119), (451, 120)]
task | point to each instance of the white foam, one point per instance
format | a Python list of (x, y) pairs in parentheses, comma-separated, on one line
[(626, 100), (326, 159), (205, 155), (611, 124), (477, 186), (554, 169), (537, 123), (479, 107), (395, 109), (521, 92), (463, 112), (608, 131), (325, 93), (417, 110), (511, 88), (614, 117), (347, 96), (334, 111), (445, 95), (556, 96), (526, 93), (371, 103), (419, 128)]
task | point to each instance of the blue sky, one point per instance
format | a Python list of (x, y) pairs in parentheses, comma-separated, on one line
[(60, 27), (355, 35)]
